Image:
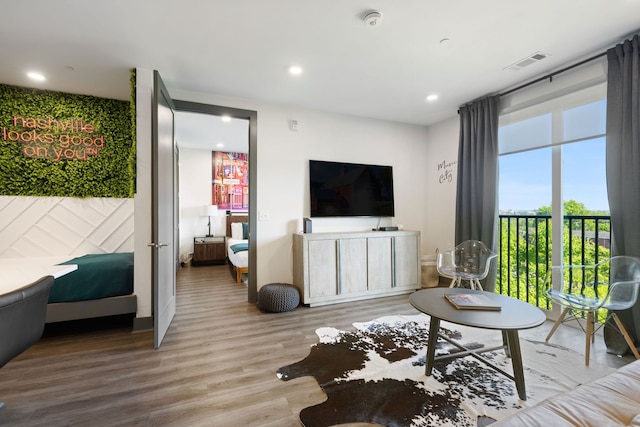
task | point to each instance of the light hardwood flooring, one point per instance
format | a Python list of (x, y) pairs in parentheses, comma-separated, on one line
[(216, 367)]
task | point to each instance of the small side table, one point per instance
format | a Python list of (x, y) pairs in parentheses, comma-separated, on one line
[(208, 250)]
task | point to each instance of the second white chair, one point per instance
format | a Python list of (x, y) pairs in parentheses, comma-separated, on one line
[(584, 290)]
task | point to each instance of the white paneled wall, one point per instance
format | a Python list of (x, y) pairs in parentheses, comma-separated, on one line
[(52, 226)]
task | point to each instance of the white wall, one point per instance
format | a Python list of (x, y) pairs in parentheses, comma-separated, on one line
[(142, 280), (441, 180), (32, 227), (195, 192), (282, 172)]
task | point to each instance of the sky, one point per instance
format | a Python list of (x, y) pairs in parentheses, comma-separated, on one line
[(525, 177)]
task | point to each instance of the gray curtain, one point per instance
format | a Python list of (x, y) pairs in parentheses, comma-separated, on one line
[(623, 168), (476, 197)]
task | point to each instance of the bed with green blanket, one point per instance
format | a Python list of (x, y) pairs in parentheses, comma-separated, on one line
[(238, 244), (101, 286)]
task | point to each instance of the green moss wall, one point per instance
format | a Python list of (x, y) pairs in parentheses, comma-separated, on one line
[(60, 144)]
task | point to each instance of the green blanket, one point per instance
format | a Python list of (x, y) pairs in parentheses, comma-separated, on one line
[(239, 247), (98, 276)]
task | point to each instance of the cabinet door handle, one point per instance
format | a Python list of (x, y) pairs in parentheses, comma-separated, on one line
[(393, 262), (338, 269)]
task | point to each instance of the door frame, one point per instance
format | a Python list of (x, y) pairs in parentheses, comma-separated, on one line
[(252, 117)]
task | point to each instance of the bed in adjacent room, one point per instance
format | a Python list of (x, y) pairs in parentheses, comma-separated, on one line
[(238, 244)]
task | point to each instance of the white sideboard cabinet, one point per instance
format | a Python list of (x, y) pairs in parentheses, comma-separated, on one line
[(330, 268)]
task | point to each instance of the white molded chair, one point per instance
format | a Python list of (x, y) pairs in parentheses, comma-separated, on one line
[(470, 260), (582, 290)]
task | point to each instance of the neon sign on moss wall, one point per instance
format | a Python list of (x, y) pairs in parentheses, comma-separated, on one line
[(54, 139), (61, 144)]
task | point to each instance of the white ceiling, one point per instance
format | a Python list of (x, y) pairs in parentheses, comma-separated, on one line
[(242, 48), (204, 131)]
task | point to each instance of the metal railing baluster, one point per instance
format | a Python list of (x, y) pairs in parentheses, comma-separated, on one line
[(528, 239)]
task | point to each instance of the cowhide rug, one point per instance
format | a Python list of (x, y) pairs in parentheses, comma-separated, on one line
[(376, 375)]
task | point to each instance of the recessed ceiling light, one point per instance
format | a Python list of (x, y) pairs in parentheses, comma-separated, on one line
[(432, 97), (219, 145), (36, 76), (295, 69), (226, 118)]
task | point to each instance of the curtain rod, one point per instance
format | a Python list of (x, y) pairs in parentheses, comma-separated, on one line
[(550, 76)]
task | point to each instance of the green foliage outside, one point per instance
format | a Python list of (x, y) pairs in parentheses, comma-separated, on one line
[(570, 207), (573, 208), (525, 248), (61, 144)]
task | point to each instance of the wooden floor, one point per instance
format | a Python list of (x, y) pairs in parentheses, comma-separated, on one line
[(216, 366)]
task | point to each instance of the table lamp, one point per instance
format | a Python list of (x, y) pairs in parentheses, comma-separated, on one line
[(210, 211)]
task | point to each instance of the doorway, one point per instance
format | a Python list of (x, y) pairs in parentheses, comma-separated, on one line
[(251, 117)]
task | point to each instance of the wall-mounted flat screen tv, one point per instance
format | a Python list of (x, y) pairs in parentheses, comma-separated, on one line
[(350, 189)]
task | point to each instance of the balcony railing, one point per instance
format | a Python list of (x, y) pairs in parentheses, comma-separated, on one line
[(524, 251)]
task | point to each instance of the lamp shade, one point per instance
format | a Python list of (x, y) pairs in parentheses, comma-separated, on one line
[(209, 210)]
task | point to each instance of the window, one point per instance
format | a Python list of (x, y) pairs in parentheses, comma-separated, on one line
[(528, 151), (551, 174)]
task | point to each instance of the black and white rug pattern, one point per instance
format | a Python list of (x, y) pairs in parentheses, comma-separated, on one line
[(376, 374)]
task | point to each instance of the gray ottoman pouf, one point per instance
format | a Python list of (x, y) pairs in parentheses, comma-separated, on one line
[(278, 297)]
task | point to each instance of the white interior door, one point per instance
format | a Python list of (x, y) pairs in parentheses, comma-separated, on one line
[(163, 244)]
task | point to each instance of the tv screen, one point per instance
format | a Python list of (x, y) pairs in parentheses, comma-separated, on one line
[(350, 189)]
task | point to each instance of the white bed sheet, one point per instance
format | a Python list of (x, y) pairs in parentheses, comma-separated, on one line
[(20, 272), (239, 259)]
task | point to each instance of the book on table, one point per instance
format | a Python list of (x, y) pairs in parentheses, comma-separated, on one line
[(472, 301)]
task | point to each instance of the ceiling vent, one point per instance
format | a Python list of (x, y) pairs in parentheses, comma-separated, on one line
[(531, 59)]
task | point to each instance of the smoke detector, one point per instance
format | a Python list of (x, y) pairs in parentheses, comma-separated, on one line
[(372, 18)]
